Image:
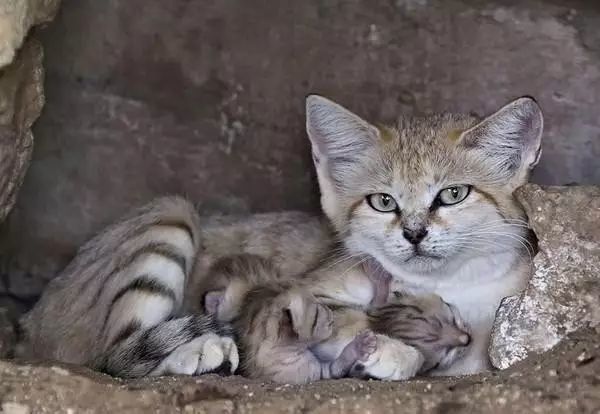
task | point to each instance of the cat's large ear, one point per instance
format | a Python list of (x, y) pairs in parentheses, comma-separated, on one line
[(510, 138), (337, 135), (338, 138)]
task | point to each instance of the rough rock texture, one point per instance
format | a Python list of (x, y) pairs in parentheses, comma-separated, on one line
[(564, 293), (147, 97), (566, 380), (16, 18), (21, 101)]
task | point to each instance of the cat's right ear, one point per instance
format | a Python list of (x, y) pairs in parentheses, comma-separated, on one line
[(337, 136)]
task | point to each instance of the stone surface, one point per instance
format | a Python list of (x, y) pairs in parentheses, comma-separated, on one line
[(21, 101), (147, 97), (564, 293), (16, 18), (566, 380)]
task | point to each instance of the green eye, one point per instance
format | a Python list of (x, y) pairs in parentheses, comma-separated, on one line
[(453, 195), (382, 202)]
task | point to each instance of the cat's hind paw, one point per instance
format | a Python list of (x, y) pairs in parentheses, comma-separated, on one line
[(204, 354)]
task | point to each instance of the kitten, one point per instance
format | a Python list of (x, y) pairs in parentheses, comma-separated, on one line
[(277, 327), (428, 323), (429, 200), (279, 322), (252, 292)]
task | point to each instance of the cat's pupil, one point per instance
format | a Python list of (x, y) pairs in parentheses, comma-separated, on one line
[(385, 200), (454, 192)]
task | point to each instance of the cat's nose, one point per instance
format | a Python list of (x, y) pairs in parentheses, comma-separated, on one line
[(414, 236)]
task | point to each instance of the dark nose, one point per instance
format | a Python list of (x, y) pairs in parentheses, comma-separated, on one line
[(414, 236)]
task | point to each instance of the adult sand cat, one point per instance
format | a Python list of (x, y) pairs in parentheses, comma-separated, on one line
[(429, 199)]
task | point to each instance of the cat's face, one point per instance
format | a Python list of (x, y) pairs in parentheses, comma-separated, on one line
[(430, 192)]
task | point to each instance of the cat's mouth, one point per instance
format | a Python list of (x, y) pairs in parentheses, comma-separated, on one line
[(420, 254)]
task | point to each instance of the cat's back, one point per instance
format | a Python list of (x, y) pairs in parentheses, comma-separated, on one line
[(291, 239), (67, 322)]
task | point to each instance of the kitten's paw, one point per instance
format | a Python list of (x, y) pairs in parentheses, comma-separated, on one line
[(366, 345), (207, 353), (392, 360)]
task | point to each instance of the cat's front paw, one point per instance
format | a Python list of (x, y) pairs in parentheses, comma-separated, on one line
[(392, 360), (204, 354)]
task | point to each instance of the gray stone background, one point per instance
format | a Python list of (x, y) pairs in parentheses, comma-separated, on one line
[(205, 98)]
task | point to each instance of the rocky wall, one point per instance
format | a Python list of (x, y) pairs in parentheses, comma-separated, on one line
[(206, 98)]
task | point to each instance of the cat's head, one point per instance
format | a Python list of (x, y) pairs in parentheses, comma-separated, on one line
[(426, 192)]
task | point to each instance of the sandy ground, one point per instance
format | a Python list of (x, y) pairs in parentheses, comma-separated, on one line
[(565, 380)]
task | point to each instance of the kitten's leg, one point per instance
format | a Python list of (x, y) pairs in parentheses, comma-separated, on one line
[(361, 347), (189, 345)]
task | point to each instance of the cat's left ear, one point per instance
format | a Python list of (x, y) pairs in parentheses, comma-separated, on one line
[(339, 139), (510, 138)]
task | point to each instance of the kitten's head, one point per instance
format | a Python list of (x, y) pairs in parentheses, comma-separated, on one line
[(427, 323), (426, 192), (231, 278)]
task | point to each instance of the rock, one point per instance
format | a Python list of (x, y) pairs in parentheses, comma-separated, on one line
[(564, 381), (564, 293), (16, 18), (21, 90), (206, 98), (21, 101)]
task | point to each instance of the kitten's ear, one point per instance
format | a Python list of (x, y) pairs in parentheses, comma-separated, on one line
[(213, 301), (337, 135), (510, 138)]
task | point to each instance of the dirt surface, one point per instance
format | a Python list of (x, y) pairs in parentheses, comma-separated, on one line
[(565, 380)]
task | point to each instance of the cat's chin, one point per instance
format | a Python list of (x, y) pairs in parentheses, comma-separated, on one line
[(419, 263)]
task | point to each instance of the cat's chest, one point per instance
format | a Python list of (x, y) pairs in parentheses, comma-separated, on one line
[(476, 289)]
